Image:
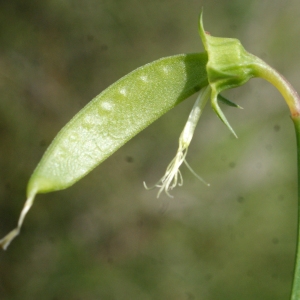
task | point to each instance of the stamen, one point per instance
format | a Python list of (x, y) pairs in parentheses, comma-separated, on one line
[(173, 176), (195, 174)]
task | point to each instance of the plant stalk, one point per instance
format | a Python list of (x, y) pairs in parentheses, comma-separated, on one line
[(292, 99), (296, 283)]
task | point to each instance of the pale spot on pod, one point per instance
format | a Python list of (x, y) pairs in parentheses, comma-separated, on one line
[(166, 69), (123, 91), (144, 78), (107, 105)]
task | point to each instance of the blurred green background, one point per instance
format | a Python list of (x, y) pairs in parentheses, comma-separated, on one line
[(107, 237)]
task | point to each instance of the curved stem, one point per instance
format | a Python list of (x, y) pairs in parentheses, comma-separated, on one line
[(263, 70), (292, 99)]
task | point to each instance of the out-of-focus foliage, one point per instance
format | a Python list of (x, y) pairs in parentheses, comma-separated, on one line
[(107, 237)]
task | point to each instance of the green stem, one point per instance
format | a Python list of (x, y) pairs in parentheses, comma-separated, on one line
[(292, 99), (263, 70), (296, 284)]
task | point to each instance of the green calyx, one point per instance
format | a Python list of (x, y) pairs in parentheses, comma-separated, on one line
[(229, 66)]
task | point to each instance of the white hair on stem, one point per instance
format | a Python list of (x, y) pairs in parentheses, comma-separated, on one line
[(172, 176)]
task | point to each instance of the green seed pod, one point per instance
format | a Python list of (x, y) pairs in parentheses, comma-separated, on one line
[(114, 117), (110, 120)]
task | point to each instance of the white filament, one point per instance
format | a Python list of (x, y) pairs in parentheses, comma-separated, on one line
[(172, 176)]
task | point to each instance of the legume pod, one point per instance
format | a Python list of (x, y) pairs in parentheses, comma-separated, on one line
[(111, 119)]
